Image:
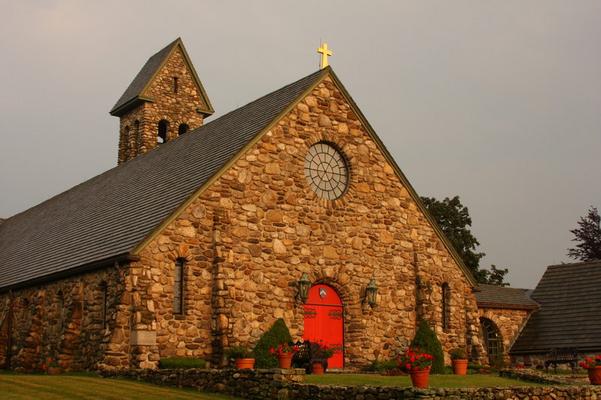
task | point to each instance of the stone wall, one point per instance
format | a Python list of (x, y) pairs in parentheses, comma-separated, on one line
[(509, 322), (176, 108), (287, 385), (250, 236), (65, 324)]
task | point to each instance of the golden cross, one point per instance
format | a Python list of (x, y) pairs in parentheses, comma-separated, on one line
[(325, 53)]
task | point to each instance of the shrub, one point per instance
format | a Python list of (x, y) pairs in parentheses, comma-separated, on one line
[(234, 353), (276, 335), (181, 362), (382, 366), (426, 341), (458, 354)]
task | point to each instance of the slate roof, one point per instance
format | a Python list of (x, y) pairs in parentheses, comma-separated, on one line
[(494, 296), (108, 215), (570, 310), (135, 88)]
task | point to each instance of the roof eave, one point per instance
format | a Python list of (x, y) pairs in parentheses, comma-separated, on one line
[(128, 105), (507, 306), (107, 262)]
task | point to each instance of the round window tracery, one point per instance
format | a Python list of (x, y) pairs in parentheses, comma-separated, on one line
[(326, 171)]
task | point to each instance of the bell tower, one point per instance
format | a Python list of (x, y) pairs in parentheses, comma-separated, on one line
[(165, 100)]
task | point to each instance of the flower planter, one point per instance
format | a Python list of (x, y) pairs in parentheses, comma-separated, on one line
[(420, 377), (317, 368), (460, 367), (245, 363), (594, 375), (285, 360)]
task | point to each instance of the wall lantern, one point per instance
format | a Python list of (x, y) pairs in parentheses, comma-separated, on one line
[(371, 293), (304, 284)]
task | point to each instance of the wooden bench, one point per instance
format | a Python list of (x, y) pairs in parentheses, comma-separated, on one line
[(562, 356)]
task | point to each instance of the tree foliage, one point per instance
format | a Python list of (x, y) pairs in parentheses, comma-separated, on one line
[(276, 335), (426, 340), (455, 221), (588, 237)]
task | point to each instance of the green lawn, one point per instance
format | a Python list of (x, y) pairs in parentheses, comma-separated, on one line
[(446, 381), (21, 387)]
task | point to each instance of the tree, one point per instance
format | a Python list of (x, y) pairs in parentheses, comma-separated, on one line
[(588, 236), (426, 341), (455, 221)]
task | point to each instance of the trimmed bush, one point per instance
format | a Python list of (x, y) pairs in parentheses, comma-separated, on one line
[(276, 335), (182, 362), (425, 339)]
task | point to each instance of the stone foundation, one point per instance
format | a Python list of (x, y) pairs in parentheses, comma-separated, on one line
[(287, 385)]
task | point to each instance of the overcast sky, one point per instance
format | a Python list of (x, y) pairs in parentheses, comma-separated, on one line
[(498, 102)]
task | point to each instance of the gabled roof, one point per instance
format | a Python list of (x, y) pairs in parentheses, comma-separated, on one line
[(105, 217), (493, 296), (113, 215), (570, 310), (136, 88)]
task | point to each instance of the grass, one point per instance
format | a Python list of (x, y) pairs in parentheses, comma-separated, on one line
[(21, 387), (436, 381)]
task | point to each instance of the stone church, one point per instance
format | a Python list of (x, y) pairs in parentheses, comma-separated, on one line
[(206, 233)]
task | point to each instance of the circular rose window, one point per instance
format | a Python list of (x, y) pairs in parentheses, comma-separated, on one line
[(326, 171)]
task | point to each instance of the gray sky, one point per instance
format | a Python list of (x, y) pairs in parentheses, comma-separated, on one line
[(498, 102)]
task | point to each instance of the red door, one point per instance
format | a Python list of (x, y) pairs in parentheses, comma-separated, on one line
[(324, 321)]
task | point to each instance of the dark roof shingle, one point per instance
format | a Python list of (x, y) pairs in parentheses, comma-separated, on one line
[(570, 310), (504, 297), (111, 213)]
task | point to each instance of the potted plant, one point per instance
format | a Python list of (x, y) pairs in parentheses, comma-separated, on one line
[(459, 360), (418, 365), (284, 352), (242, 357), (320, 352), (593, 366)]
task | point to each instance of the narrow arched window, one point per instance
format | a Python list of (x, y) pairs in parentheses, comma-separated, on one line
[(126, 140), (138, 135), (175, 84), (104, 304), (60, 303), (183, 128), (446, 307), (162, 131), (178, 286)]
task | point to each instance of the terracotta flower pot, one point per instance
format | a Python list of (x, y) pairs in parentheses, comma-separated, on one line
[(317, 368), (460, 367), (594, 375), (245, 363), (420, 377), (285, 360)]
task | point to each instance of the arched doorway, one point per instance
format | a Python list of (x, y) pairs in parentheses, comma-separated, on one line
[(324, 321), (492, 340)]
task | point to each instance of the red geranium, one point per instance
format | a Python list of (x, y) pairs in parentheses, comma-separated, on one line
[(413, 359), (282, 349), (590, 362)]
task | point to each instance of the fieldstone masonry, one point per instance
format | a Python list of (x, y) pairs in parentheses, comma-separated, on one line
[(245, 241)]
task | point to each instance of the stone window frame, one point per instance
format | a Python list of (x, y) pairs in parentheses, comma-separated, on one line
[(327, 194), (446, 307), (179, 286), (126, 138), (60, 302)]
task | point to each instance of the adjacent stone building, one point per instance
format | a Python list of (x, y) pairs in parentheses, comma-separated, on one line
[(205, 234)]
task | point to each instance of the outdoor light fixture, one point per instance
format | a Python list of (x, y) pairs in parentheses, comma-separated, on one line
[(304, 284), (371, 292)]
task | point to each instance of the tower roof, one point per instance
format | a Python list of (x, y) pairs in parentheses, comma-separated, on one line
[(135, 91)]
